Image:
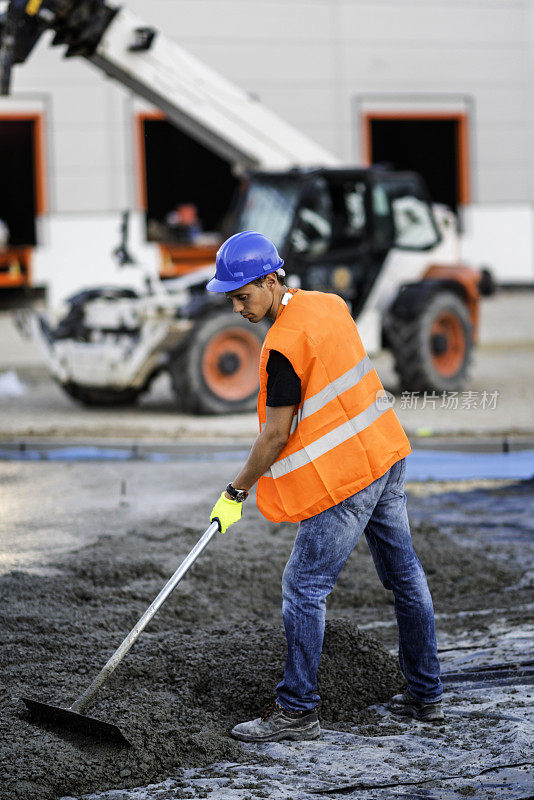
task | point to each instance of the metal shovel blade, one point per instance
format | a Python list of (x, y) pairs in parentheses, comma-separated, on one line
[(73, 717), (81, 723)]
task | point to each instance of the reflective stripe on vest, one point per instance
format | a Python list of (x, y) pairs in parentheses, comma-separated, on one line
[(347, 381), (328, 441), (335, 388)]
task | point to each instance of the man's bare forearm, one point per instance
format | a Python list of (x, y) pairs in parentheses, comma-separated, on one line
[(263, 454)]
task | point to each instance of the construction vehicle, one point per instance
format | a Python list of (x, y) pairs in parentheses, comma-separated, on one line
[(371, 235)]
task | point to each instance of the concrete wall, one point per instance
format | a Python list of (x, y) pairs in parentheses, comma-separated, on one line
[(311, 61), (317, 63)]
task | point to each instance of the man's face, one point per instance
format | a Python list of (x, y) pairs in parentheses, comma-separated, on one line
[(252, 301)]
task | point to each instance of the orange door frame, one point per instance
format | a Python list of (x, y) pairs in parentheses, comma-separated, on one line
[(462, 140), (18, 260), (140, 155), (175, 259)]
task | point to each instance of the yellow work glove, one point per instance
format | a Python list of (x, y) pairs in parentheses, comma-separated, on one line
[(226, 511)]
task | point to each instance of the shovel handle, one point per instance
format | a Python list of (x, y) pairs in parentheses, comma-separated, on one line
[(83, 701)]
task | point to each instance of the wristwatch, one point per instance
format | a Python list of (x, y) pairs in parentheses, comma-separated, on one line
[(239, 495)]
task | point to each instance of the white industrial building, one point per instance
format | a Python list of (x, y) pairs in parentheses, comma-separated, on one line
[(442, 86)]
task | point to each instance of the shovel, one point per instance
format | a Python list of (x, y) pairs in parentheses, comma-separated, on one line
[(73, 717)]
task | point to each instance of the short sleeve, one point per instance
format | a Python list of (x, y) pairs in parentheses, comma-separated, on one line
[(283, 383)]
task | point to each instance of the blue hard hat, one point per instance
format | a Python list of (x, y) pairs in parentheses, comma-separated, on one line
[(241, 259)]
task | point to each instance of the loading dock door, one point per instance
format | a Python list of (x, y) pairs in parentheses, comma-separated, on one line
[(434, 145), (185, 190), (177, 170), (21, 195), (17, 168)]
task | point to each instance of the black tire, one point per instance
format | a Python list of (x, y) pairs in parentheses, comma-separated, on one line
[(217, 371), (427, 361), (101, 397)]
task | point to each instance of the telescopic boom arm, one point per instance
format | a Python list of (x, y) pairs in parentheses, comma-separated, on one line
[(195, 97)]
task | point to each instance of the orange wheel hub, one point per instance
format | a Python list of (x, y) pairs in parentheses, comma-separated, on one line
[(230, 364), (448, 344)]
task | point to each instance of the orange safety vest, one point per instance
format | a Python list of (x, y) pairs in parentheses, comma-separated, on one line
[(345, 433)]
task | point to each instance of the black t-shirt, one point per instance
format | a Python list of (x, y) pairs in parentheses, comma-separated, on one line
[(283, 383)]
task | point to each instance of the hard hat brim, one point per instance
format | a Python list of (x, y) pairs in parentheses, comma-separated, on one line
[(215, 285)]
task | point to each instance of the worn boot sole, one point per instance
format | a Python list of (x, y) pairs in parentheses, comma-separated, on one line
[(410, 711), (296, 735)]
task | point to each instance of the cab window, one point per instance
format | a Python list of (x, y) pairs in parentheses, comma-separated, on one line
[(312, 230), (403, 216), (414, 227), (354, 196)]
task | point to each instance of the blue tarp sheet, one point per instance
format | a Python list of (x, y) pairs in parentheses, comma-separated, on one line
[(421, 465)]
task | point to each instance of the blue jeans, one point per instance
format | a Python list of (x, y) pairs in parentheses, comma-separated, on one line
[(322, 546)]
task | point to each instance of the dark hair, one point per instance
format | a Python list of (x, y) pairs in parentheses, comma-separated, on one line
[(280, 278)]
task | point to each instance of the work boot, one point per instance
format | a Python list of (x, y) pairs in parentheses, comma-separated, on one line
[(405, 705), (276, 723)]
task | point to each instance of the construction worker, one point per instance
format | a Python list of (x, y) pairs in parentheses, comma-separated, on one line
[(330, 455)]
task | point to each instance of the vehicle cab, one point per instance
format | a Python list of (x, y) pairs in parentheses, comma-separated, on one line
[(335, 228)]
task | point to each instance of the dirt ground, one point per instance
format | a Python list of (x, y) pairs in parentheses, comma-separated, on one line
[(215, 651)]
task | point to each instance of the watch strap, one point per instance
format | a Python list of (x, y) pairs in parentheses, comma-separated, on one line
[(239, 495)]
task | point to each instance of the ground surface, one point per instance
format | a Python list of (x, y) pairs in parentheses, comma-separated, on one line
[(81, 562), (85, 547), (502, 368)]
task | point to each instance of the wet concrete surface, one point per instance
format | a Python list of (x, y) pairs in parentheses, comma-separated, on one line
[(82, 559)]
